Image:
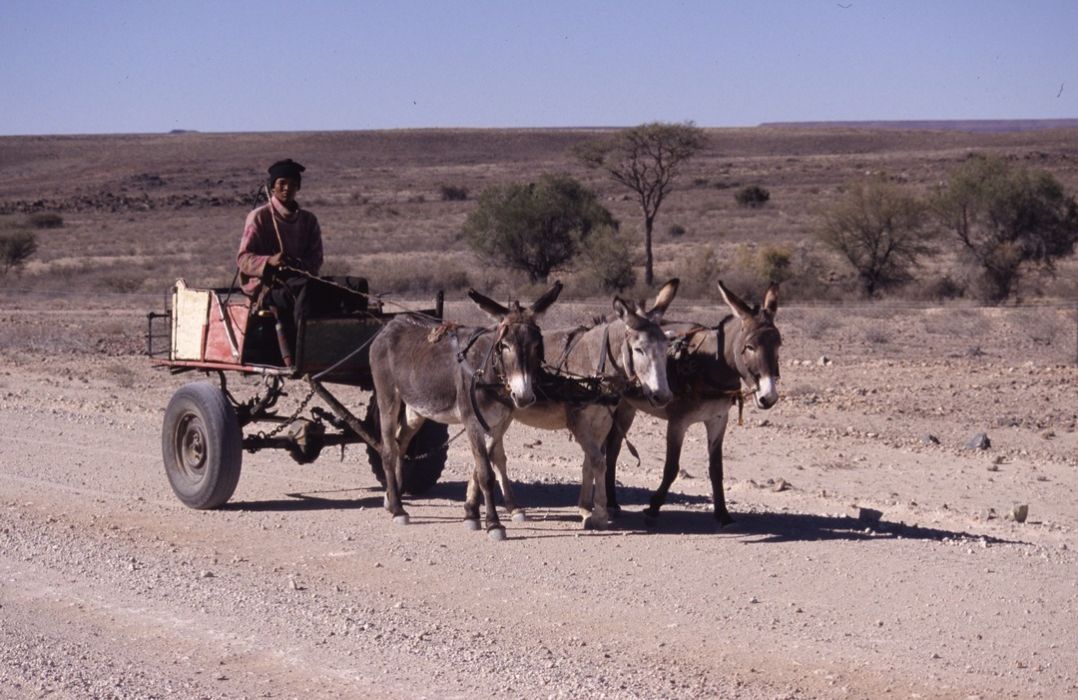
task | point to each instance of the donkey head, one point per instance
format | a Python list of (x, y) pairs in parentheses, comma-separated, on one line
[(643, 354), (756, 345), (518, 343)]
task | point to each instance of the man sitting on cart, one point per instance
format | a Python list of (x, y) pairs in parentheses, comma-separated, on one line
[(280, 243)]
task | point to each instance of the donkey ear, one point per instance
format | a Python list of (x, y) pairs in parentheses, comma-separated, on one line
[(628, 313), (734, 302), (487, 304), (543, 303), (771, 299), (663, 299)]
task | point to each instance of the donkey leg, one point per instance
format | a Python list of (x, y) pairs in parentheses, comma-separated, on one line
[(623, 420), (675, 436), (484, 477), (471, 503), (590, 428), (716, 430), (389, 408), (497, 458)]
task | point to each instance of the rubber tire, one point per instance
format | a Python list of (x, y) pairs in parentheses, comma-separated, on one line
[(420, 475), (202, 446)]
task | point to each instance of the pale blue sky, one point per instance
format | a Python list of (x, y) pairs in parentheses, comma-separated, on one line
[(152, 66)]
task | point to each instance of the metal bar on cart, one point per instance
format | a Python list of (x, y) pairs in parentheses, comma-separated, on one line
[(343, 413)]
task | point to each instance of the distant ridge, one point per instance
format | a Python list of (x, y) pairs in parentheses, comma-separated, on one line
[(971, 125)]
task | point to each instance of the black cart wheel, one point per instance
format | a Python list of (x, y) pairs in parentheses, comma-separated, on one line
[(429, 445), (202, 446)]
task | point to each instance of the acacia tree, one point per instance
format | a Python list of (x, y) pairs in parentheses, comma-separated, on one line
[(646, 159), (880, 230), (1007, 220), (535, 227)]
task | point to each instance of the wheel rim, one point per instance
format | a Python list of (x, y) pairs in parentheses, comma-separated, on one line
[(191, 445)]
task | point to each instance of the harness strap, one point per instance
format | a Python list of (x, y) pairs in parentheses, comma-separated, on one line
[(473, 375), (601, 369)]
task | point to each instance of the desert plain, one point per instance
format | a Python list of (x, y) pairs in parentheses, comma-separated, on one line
[(875, 553)]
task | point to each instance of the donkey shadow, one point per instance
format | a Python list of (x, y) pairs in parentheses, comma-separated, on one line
[(557, 502), (777, 527), (698, 519), (310, 501)]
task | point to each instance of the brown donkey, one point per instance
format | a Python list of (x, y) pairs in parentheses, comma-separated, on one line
[(627, 351), (710, 370), (454, 374)]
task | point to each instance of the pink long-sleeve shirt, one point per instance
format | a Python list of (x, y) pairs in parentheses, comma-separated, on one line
[(300, 233)]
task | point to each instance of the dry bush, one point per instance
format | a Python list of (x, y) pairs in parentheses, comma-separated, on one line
[(414, 274), (119, 374), (877, 335), (817, 323), (452, 193), (45, 220)]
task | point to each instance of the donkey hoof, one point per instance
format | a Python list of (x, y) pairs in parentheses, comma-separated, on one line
[(471, 524), (401, 519), (594, 523), (519, 516), (496, 534)]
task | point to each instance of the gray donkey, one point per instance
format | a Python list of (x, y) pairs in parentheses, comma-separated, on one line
[(451, 374), (626, 352), (710, 370)]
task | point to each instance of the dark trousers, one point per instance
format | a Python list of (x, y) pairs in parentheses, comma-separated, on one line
[(289, 298), (297, 298)]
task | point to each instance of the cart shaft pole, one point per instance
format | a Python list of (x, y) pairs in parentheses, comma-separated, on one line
[(344, 414)]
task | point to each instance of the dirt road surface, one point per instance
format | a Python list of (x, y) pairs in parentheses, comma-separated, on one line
[(303, 588)]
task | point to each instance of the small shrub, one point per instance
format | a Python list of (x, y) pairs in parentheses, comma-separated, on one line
[(451, 193), (877, 336), (15, 249), (606, 254), (944, 288), (698, 272), (676, 230), (45, 220), (773, 263), (752, 196), (121, 283)]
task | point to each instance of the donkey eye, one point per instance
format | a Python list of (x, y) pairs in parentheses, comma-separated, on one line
[(750, 348), (638, 351)]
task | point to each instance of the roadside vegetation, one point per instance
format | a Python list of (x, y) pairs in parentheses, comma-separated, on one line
[(834, 215)]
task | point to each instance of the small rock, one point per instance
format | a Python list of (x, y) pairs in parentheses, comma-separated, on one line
[(823, 361), (1019, 513), (869, 515), (205, 574), (979, 441), (780, 485), (930, 439)]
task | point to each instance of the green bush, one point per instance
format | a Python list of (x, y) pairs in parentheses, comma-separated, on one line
[(536, 227), (752, 196), (1007, 220)]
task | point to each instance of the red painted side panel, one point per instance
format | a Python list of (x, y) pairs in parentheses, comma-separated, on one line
[(219, 347)]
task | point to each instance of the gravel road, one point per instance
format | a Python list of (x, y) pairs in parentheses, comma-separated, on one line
[(302, 587)]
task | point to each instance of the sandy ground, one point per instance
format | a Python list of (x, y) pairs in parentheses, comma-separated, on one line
[(301, 587)]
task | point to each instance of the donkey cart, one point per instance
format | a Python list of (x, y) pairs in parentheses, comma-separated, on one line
[(217, 332)]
